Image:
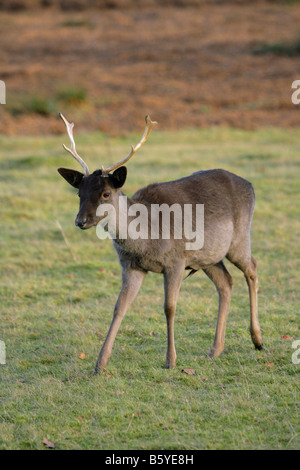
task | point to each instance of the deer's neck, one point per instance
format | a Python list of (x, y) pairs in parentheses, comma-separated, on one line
[(131, 227)]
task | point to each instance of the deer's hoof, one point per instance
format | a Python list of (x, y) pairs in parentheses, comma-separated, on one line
[(215, 352)]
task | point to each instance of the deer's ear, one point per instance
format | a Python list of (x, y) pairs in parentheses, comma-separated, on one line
[(119, 177), (73, 177)]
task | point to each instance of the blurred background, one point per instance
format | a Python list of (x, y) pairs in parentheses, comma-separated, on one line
[(217, 77), (188, 63)]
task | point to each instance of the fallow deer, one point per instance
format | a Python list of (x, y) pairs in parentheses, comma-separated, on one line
[(228, 209)]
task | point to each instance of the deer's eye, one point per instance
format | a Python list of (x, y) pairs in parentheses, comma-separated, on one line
[(105, 195)]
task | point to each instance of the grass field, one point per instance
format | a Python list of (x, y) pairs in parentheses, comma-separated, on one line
[(57, 303)]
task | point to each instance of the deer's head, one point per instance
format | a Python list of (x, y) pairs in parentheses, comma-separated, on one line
[(100, 187)]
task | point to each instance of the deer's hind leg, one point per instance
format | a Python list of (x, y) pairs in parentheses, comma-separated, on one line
[(223, 282), (247, 264)]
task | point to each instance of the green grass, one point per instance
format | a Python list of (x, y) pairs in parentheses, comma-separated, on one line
[(71, 95), (289, 49), (30, 104), (54, 308), (77, 23)]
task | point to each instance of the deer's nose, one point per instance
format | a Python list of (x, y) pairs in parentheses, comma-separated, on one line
[(80, 223)]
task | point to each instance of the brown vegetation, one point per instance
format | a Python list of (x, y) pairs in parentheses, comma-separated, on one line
[(210, 63)]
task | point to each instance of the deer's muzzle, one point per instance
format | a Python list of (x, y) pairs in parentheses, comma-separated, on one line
[(81, 223)]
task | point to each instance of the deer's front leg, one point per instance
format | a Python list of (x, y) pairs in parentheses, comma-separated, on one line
[(131, 283), (172, 282)]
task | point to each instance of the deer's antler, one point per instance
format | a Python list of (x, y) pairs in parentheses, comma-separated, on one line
[(149, 126), (72, 150)]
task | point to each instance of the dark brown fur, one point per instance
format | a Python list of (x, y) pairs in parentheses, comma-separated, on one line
[(228, 209)]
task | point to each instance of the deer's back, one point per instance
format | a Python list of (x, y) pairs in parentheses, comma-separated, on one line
[(228, 208), (223, 193)]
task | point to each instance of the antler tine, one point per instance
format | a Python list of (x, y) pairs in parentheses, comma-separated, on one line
[(149, 126), (72, 150)]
